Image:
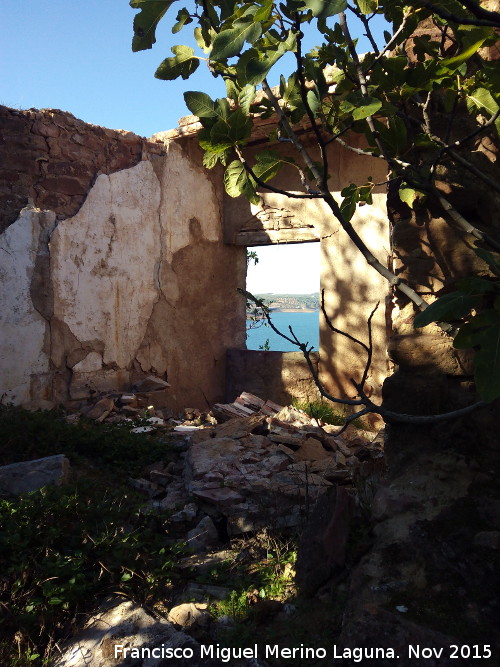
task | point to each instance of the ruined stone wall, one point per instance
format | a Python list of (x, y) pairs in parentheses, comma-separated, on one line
[(352, 288), (276, 376), (50, 159), (112, 265)]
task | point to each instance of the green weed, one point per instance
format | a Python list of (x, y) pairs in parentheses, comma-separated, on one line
[(323, 412), (30, 435), (63, 548)]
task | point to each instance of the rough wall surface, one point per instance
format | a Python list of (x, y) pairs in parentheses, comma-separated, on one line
[(49, 159), (436, 517), (352, 288), (136, 282), (275, 376)]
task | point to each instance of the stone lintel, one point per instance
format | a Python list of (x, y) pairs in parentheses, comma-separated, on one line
[(271, 236)]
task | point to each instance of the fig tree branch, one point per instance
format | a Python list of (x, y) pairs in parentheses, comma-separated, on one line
[(369, 406)]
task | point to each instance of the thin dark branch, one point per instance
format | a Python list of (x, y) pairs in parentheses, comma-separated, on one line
[(370, 407), (480, 129), (476, 9), (351, 418), (289, 130), (390, 42), (302, 346), (309, 112), (272, 188), (335, 136), (492, 22), (370, 346), (338, 331), (472, 168), (464, 224), (365, 21)]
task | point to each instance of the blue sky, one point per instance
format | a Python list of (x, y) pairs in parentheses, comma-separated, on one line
[(76, 55)]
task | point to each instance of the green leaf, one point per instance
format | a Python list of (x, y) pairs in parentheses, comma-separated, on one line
[(487, 364), (476, 285), (269, 164), (449, 307), (456, 61), (229, 43), (313, 100), (222, 108), (425, 141), (291, 93), (407, 195), (246, 97), (145, 22), (367, 6), (324, 8), (183, 64), (210, 159), (55, 601), (254, 65), (491, 261), (239, 127), (215, 139), (482, 98), (393, 136), (203, 38), (263, 13), (369, 106), (183, 18), (469, 334), (200, 104), (351, 198), (237, 182)]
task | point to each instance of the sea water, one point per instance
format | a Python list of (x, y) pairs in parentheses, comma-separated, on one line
[(305, 325)]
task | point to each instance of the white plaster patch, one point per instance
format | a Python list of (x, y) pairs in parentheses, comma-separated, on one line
[(188, 194), (22, 328), (103, 263), (92, 362)]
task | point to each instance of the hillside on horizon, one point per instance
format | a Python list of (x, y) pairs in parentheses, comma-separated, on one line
[(291, 301)]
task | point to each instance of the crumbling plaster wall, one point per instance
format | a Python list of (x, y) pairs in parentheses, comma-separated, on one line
[(113, 265), (352, 288)]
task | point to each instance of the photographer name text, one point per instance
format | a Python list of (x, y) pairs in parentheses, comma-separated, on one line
[(225, 654)]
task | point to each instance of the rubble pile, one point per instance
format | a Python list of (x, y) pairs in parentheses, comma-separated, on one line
[(246, 464)]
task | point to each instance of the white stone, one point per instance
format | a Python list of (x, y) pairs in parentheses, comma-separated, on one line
[(28, 476), (142, 429), (203, 535), (122, 625), (189, 614)]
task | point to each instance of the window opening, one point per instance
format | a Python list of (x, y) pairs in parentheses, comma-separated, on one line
[(286, 278)]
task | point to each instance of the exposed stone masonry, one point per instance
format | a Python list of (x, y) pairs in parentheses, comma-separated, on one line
[(99, 230), (50, 159)]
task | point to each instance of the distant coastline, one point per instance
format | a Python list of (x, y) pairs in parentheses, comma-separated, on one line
[(290, 303), (282, 310), (294, 310)]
